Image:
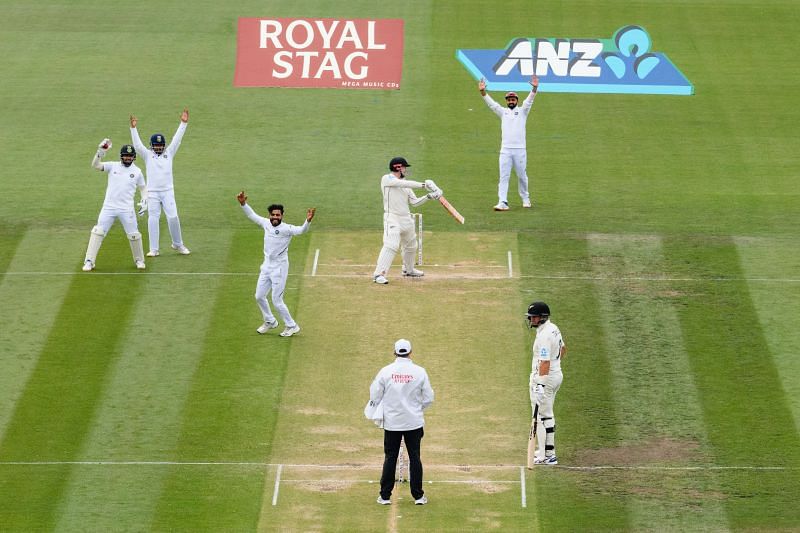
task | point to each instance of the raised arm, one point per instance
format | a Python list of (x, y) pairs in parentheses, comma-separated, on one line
[(178, 137), (496, 108), (137, 142), (102, 148), (248, 211)]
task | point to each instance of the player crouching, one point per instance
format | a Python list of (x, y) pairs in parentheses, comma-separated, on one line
[(123, 179)]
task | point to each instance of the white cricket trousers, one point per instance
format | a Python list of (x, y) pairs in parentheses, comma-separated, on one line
[(517, 158), (126, 217), (156, 200), (546, 423), (398, 234), (273, 277)]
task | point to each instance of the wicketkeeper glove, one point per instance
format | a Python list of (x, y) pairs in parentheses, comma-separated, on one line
[(103, 147), (430, 185), (142, 206)]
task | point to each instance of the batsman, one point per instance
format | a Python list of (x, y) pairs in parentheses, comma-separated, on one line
[(398, 224), (546, 377)]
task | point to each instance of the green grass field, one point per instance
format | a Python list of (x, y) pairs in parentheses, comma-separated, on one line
[(664, 236)]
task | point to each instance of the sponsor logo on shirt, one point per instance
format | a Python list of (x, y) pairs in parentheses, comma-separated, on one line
[(402, 378), (622, 64), (333, 53)]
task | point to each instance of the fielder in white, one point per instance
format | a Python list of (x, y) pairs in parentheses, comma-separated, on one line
[(158, 164), (546, 378), (513, 151), (398, 224), (123, 179), (275, 268)]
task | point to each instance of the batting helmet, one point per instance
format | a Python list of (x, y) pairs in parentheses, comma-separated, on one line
[(538, 309), (157, 138), (511, 94), (398, 161)]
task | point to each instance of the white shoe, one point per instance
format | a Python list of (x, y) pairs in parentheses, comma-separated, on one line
[(88, 266), (552, 460), (501, 206), (289, 331), (140, 265), (266, 326), (380, 280), (413, 273), (421, 501), (526, 203), (153, 253), (181, 249), (381, 501)]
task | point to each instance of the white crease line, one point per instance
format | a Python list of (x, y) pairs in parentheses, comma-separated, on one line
[(522, 486), (510, 270), (459, 468), (277, 486), (472, 276), (316, 260)]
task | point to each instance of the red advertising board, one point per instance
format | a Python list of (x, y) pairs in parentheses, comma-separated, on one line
[(333, 53)]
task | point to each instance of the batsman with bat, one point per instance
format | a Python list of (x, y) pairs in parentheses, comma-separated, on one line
[(546, 377), (398, 224)]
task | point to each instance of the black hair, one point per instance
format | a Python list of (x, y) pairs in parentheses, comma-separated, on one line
[(273, 207)]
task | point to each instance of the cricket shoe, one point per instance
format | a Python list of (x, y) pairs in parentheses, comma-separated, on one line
[(501, 206), (140, 265), (290, 330), (181, 249), (413, 273), (88, 266), (153, 253), (266, 326), (380, 280), (552, 460), (526, 203), (381, 501), (421, 501)]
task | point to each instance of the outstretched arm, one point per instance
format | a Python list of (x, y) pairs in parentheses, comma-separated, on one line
[(178, 137), (102, 148), (137, 142)]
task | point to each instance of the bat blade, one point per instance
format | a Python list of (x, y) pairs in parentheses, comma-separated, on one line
[(452, 210), (532, 437)]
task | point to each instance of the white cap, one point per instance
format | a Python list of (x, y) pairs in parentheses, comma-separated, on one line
[(402, 347)]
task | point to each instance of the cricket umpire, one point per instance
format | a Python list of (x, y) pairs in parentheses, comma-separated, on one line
[(404, 390), (546, 378)]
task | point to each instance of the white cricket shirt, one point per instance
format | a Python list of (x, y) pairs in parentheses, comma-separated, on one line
[(159, 167), (512, 121), (397, 194), (405, 391), (547, 347), (122, 184), (276, 239)]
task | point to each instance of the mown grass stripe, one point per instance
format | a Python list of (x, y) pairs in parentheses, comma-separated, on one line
[(139, 412), (52, 417), (746, 413), (233, 399)]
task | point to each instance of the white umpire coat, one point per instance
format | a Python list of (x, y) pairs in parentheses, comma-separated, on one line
[(404, 390)]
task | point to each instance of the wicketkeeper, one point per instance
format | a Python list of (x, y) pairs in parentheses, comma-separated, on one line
[(398, 224)]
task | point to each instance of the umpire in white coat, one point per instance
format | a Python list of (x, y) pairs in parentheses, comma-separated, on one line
[(404, 391)]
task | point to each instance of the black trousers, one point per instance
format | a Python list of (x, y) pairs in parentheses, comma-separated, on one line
[(391, 449)]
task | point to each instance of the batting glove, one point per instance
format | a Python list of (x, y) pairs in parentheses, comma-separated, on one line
[(539, 393), (142, 206), (435, 195), (430, 185), (103, 147)]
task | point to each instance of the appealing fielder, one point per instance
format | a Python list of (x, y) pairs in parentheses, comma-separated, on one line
[(123, 179), (545, 380), (158, 164), (398, 224), (404, 391), (513, 150), (275, 268)]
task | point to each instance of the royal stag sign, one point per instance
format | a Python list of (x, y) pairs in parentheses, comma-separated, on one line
[(333, 53)]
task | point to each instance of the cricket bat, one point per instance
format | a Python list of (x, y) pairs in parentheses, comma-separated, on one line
[(532, 437), (452, 210)]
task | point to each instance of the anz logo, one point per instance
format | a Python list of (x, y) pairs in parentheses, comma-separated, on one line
[(625, 63)]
